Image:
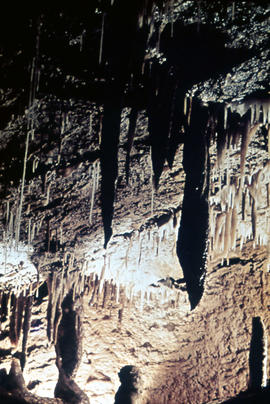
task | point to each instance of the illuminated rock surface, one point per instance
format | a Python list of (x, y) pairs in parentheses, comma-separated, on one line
[(135, 213)]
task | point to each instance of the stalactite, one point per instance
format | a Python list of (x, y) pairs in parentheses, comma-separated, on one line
[(185, 106), (11, 226), (17, 235), (189, 111), (33, 232), (244, 197), (219, 227), (105, 292), (131, 133), (95, 179), (233, 10), (225, 116), (51, 284), (247, 135), (159, 111), (254, 219), (171, 16), (7, 212), (152, 194), (57, 319), (101, 39), (234, 223), (194, 225), (109, 156)]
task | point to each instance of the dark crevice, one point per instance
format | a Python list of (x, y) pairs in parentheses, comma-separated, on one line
[(193, 231)]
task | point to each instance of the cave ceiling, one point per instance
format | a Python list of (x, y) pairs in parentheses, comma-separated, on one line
[(134, 185)]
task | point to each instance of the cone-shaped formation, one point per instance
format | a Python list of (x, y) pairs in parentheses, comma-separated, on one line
[(193, 231)]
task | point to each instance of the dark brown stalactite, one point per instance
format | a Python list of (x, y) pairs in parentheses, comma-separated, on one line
[(159, 117), (109, 157), (178, 124), (131, 133), (192, 235)]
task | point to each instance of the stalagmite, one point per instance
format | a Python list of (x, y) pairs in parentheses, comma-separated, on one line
[(16, 321), (26, 325)]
